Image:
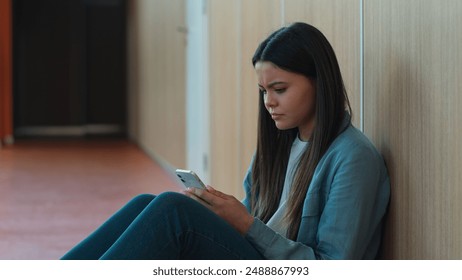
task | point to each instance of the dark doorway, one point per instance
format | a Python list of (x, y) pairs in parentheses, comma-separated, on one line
[(69, 67)]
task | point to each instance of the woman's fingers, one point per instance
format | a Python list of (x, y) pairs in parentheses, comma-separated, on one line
[(225, 206), (210, 189), (201, 195)]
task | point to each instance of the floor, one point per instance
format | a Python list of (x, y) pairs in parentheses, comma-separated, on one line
[(54, 193)]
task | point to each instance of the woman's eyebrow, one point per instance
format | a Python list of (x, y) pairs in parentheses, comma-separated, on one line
[(270, 85)]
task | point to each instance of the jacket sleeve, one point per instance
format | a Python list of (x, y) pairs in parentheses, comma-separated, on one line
[(274, 246)]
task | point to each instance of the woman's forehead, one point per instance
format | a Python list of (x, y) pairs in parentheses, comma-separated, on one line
[(266, 70), (269, 74)]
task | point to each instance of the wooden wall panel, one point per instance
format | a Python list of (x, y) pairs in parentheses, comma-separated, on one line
[(339, 21), (157, 92), (259, 19), (236, 29), (224, 37), (412, 89)]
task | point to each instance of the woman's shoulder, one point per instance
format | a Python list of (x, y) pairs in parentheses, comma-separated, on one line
[(352, 143), (353, 159)]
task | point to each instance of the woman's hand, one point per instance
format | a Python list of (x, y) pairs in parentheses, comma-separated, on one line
[(225, 206)]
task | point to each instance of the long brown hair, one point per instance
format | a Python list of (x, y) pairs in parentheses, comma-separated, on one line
[(303, 49)]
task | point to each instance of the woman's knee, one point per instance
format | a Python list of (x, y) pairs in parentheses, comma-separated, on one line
[(172, 197), (143, 199), (171, 203), (174, 201)]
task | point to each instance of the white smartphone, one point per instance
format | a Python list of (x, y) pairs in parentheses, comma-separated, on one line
[(190, 179)]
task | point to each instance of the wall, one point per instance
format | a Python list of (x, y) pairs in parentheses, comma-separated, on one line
[(197, 90), (412, 70), (156, 82), (233, 85)]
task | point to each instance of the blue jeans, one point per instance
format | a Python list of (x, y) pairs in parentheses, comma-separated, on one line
[(168, 226)]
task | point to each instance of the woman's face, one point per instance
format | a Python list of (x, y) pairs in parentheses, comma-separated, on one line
[(289, 98)]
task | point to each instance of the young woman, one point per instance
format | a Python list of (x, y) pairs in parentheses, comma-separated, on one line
[(316, 188)]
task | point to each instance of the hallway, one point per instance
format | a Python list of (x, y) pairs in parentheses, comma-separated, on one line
[(54, 193)]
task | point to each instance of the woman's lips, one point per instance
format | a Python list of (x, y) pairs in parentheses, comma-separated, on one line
[(276, 116)]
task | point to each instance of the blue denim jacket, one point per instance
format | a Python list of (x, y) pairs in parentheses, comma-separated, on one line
[(343, 210)]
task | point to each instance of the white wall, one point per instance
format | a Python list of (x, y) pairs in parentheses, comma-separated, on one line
[(197, 90)]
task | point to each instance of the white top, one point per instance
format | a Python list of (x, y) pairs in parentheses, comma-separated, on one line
[(277, 220)]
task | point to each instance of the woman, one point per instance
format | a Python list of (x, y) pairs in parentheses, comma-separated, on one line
[(316, 188)]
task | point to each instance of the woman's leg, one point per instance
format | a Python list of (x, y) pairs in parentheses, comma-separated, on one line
[(96, 244), (174, 226)]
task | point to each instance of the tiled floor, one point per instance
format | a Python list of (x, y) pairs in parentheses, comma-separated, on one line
[(54, 193)]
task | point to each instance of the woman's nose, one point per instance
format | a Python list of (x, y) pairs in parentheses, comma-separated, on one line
[(269, 100)]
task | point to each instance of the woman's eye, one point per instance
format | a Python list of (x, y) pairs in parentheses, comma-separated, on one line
[(279, 90)]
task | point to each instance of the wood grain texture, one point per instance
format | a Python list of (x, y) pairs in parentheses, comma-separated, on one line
[(224, 48), (236, 28), (412, 92), (339, 21), (157, 92), (259, 19)]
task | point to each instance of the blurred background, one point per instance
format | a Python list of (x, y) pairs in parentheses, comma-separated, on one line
[(173, 81)]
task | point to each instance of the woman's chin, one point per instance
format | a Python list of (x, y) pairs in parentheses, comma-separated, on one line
[(282, 126)]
